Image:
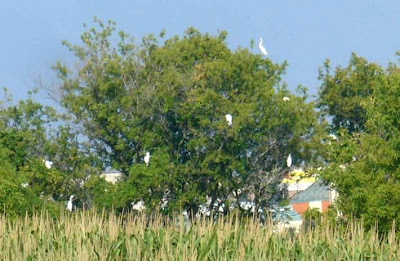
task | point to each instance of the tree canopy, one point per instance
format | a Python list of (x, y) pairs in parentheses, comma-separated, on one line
[(28, 138), (170, 99), (364, 162), (342, 94)]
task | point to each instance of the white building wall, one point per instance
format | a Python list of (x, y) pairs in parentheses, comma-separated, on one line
[(316, 204)]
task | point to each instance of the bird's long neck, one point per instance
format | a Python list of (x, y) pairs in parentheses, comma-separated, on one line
[(260, 40)]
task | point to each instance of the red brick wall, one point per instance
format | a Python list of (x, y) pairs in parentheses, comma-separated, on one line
[(325, 205), (300, 207), (303, 207)]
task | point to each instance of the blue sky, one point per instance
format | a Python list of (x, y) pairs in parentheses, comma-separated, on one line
[(304, 33)]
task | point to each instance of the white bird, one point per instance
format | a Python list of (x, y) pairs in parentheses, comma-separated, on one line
[(147, 158), (138, 206), (163, 203), (286, 98), (289, 160), (237, 192), (228, 118), (221, 208), (333, 136), (235, 174), (48, 164), (69, 204), (262, 48)]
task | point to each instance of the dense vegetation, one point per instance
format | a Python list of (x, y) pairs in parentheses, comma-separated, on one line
[(93, 236), (170, 98)]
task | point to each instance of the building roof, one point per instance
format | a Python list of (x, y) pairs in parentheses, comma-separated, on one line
[(316, 192), (299, 186), (287, 215)]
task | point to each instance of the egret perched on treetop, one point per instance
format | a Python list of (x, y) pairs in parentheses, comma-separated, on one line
[(228, 118), (147, 158), (289, 160), (286, 98), (262, 48), (69, 204)]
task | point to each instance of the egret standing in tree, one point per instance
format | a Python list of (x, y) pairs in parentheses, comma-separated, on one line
[(286, 98), (69, 204), (48, 164), (138, 206), (147, 158), (228, 118), (262, 48), (289, 160)]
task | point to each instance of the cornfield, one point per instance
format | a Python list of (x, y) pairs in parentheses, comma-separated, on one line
[(89, 235)]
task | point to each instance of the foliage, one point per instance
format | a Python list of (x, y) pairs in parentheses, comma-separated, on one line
[(90, 236), (312, 217), (171, 99), (342, 94), (28, 138), (314, 214), (364, 166)]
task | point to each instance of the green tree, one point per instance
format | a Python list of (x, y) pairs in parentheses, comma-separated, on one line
[(364, 166), (171, 99), (342, 93), (30, 134)]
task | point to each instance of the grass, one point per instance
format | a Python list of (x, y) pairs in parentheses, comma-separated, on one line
[(92, 236)]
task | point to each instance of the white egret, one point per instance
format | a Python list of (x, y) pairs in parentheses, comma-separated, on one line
[(163, 203), (138, 206), (286, 98), (237, 192), (69, 204), (221, 208), (262, 48), (289, 160), (164, 199), (235, 174), (48, 164), (228, 118), (333, 136), (147, 158)]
